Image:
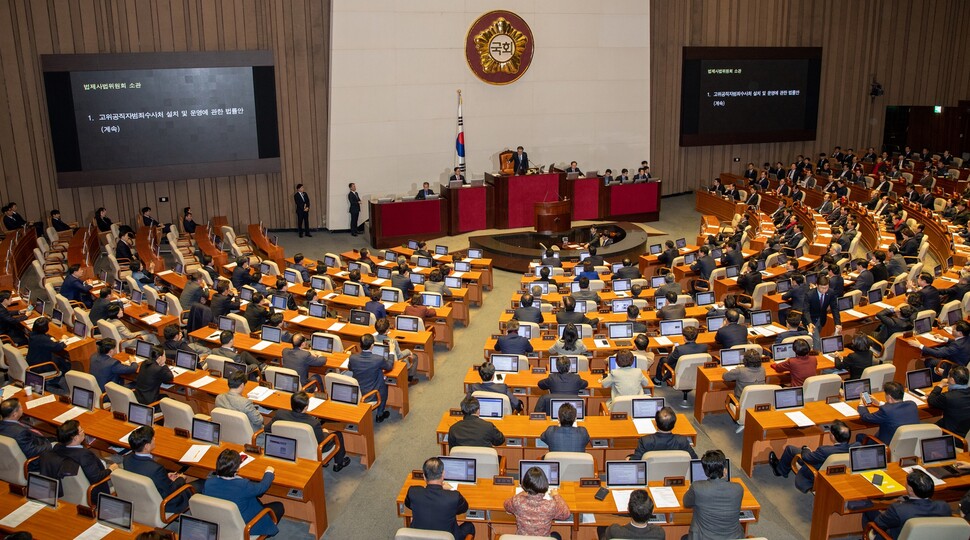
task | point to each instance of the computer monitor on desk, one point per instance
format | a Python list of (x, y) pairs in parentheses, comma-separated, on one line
[(731, 357), (789, 398), (714, 323), (347, 394), (626, 474), (114, 512), (505, 363), (672, 328), (938, 449), (867, 458), (42, 489), (831, 344), (491, 408), (550, 468), (647, 407), (579, 404), (280, 447), (573, 363), (206, 431), (853, 389), (191, 528), (459, 471), (141, 415), (620, 330)]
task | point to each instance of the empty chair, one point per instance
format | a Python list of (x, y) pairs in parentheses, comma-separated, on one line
[(820, 387), (333, 377), (338, 344), (573, 465), (178, 414), (235, 426), (75, 378), (242, 325), (274, 269), (879, 375), (226, 515), (338, 262), (306, 441), (147, 504), (754, 394), (79, 491), (666, 463), (684, 378), (269, 374), (82, 315), (17, 364), (906, 440), (120, 397), (937, 528), (215, 363), (487, 461)]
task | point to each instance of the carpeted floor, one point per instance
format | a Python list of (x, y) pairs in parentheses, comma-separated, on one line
[(361, 503)]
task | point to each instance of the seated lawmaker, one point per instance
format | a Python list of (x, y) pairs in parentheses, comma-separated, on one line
[(487, 373), (716, 501), (512, 342), (805, 479), (664, 438), (566, 437), (424, 192), (472, 430), (31, 441), (457, 176), (527, 312), (569, 315), (955, 402), (918, 503), (435, 508), (297, 413)]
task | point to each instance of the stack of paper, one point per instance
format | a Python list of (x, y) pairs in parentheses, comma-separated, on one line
[(202, 381), (457, 274), (800, 419), (664, 341), (314, 403), (151, 319), (95, 532), (379, 281), (910, 397), (936, 481), (336, 327), (298, 319), (9, 390), (645, 426), (663, 497), (22, 514), (70, 414), (262, 345), (602, 343), (195, 453), (844, 409), (50, 398), (260, 393), (855, 313)]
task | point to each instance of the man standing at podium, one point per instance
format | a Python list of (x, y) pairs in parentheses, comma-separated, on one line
[(458, 176), (354, 199), (302, 202), (520, 161)]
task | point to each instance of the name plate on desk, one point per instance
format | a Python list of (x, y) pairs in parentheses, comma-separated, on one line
[(710, 364), (499, 480), (513, 441), (417, 475), (835, 470), (118, 415), (496, 336), (618, 416), (64, 399), (252, 449), (85, 511), (598, 371), (537, 416), (20, 491), (832, 399), (549, 338), (760, 407), (590, 482), (908, 461), (180, 432), (510, 311), (674, 481), (538, 370), (454, 412)]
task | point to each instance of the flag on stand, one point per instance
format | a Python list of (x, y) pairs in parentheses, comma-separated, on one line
[(460, 138)]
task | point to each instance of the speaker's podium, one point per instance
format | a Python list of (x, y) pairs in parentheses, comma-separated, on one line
[(516, 195), (553, 216)]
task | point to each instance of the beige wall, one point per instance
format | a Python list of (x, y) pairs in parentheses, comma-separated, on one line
[(917, 50), (396, 66)]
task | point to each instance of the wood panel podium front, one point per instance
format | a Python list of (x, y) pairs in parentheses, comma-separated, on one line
[(515, 196), (470, 208), (553, 217)]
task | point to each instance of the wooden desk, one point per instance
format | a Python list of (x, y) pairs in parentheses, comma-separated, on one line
[(489, 499), (263, 246), (56, 524), (202, 240), (708, 203), (830, 515), (392, 222)]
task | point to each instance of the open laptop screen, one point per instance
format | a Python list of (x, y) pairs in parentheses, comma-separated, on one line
[(114, 512), (731, 357), (620, 305), (922, 326), (286, 382), (831, 344), (782, 351), (936, 449), (82, 397), (459, 469), (191, 528), (280, 447), (360, 317), (554, 405), (35, 381), (139, 414), (205, 431), (344, 393), (505, 363), (919, 378), (474, 253), (620, 285), (225, 323), (697, 470), (715, 323), (647, 407), (186, 360), (271, 334), (321, 343), (143, 349), (705, 298), (431, 300), (789, 398), (42, 489), (626, 474), (550, 468), (854, 388), (317, 309), (620, 330), (406, 324), (867, 458), (760, 318), (672, 328), (490, 407)]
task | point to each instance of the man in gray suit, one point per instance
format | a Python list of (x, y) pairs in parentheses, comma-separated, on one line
[(670, 285), (234, 400), (672, 310), (716, 502), (300, 359), (566, 437), (368, 368), (584, 293), (549, 259)]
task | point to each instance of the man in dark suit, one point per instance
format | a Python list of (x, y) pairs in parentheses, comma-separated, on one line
[(424, 192), (956, 292), (819, 303), (140, 461), (628, 270), (152, 375), (487, 373), (123, 250), (750, 277), (669, 254), (731, 192), (805, 479), (433, 507), (299, 401), (917, 503), (31, 442), (568, 314), (566, 437), (955, 403), (754, 199), (400, 279), (368, 369), (526, 312), (563, 382), (664, 439), (732, 333), (520, 161), (10, 320), (690, 346), (891, 414), (458, 176), (512, 342), (716, 502), (895, 320), (549, 259), (865, 279), (354, 200), (223, 302), (301, 201), (672, 310), (928, 293), (58, 223), (732, 257), (106, 368), (11, 219), (227, 348), (472, 430), (70, 456), (705, 264), (793, 321), (956, 350), (632, 316), (74, 288), (300, 359), (670, 285)]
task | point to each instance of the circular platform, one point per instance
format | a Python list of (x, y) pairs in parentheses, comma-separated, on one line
[(514, 251)]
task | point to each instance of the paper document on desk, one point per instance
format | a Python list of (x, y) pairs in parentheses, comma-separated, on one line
[(731, 368), (95, 532), (855, 313), (800, 419), (844, 409), (72, 339), (164, 273), (806, 259), (51, 398), (601, 343), (883, 305), (195, 453), (314, 403), (345, 364), (387, 305), (125, 438), (663, 497), (259, 393), (331, 296), (214, 335), (933, 337), (910, 397), (69, 414), (262, 345), (298, 319), (246, 459), (379, 282), (645, 426), (457, 274), (888, 485), (936, 481), (151, 319), (9, 390), (22, 514), (336, 327), (202, 381), (663, 341)]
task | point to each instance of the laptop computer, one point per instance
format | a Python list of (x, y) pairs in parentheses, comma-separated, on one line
[(440, 250), (474, 253), (459, 471), (280, 447), (206, 431), (789, 398), (161, 307), (383, 273), (353, 265), (36, 382), (280, 302), (953, 316), (845, 303), (286, 382), (321, 343), (760, 318), (82, 397), (57, 317), (350, 289), (867, 458), (672, 328), (317, 282), (659, 302), (918, 379), (656, 281), (620, 330), (647, 407), (680, 243), (573, 363), (191, 528), (317, 309), (491, 408), (505, 363), (831, 344), (705, 298), (185, 361), (80, 329), (620, 285), (246, 294), (272, 334), (417, 279), (554, 405), (939, 450), (690, 258), (143, 350), (114, 512), (923, 325), (874, 295), (620, 305), (853, 389), (656, 249), (424, 262), (455, 283), (228, 368), (729, 272), (697, 470), (345, 393), (783, 286), (626, 474), (782, 351), (291, 276), (525, 331), (716, 253), (225, 323), (141, 415), (550, 468), (463, 266), (731, 357), (715, 323), (431, 300), (42, 489), (405, 323), (360, 317)]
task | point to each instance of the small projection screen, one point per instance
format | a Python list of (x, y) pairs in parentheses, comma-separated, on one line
[(144, 117)]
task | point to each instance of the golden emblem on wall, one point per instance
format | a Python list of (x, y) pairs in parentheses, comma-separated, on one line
[(499, 47)]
